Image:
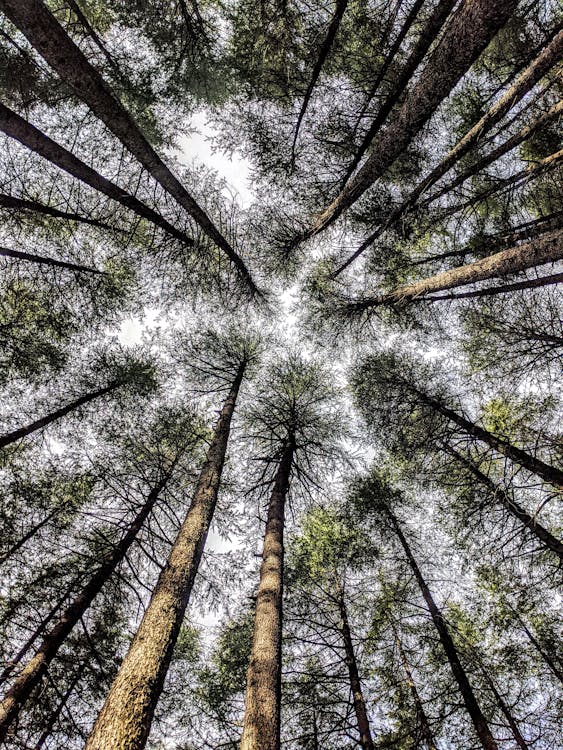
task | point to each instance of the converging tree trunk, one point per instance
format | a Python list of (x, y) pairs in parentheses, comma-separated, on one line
[(473, 709), (536, 283), (126, 716), (506, 712), (30, 676), (261, 730), (466, 36), (12, 437), (424, 730), (22, 204), (547, 248), (364, 730), (52, 42), (6, 252), (54, 717), (540, 532)]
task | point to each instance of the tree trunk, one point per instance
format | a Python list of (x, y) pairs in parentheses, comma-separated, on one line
[(556, 278), (30, 676), (512, 723), (12, 437), (469, 31), (366, 740), (43, 260), (425, 732), (125, 719), (427, 36), (22, 204), (323, 54), (32, 138), (469, 699), (59, 709), (28, 535), (51, 41), (543, 535), (545, 656), (261, 730), (547, 248)]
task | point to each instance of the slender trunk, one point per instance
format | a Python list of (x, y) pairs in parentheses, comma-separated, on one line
[(261, 730), (30, 676), (460, 676), (547, 248), (544, 655), (32, 138), (52, 42), (425, 732), (542, 534), (22, 204), (12, 437), (322, 56), (533, 73), (512, 723), (125, 719), (556, 278), (43, 260), (27, 536), (366, 740), (425, 40), (469, 31), (59, 709), (77, 10)]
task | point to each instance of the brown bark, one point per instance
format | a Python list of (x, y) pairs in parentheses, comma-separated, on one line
[(556, 278), (59, 709), (125, 719), (12, 437), (423, 725), (261, 730), (6, 252), (322, 56), (479, 722), (425, 40), (33, 672), (366, 740), (469, 31), (540, 532), (547, 248), (28, 135), (529, 77), (21, 204), (52, 42)]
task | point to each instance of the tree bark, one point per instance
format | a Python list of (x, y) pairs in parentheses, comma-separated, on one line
[(44, 260), (28, 135), (12, 437), (545, 656), (425, 40), (59, 709), (540, 532), (548, 248), (479, 722), (556, 278), (21, 204), (30, 676), (28, 535), (366, 740), (261, 730), (125, 719), (52, 42), (323, 54), (469, 31), (512, 723), (425, 731)]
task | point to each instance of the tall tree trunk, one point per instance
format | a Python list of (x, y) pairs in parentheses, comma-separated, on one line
[(512, 723), (32, 138), (54, 717), (469, 31), (29, 535), (12, 437), (22, 204), (543, 535), (556, 278), (427, 36), (322, 56), (366, 740), (52, 42), (479, 722), (529, 77), (261, 730), (544, 655), (30, 676), (77, 10), (424, 729), (125, 719), (547, 248), (43, 260)]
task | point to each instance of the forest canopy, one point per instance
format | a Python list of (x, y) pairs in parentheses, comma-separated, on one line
[(281, 338)]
